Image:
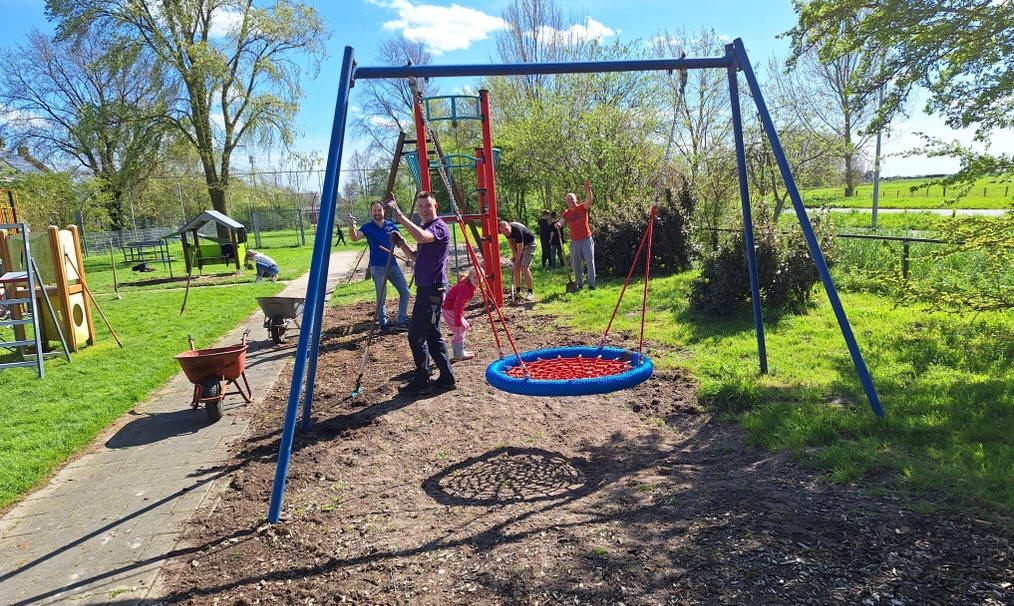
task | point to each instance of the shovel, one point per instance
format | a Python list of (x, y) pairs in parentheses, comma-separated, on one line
[(571, 284)]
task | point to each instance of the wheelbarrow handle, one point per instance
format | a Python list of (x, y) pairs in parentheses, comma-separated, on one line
[(190, 338), (245, 334)]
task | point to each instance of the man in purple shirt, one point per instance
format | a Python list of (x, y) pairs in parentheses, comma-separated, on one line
[(433, 238)]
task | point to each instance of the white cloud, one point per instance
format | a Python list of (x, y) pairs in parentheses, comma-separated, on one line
[(225, 22), (589, 30), (441, 28), (22, 119), (382, 122)]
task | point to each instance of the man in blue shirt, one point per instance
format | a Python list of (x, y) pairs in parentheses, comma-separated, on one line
[(378, 233), (434, 238)]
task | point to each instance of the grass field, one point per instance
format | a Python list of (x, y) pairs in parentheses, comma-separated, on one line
[(42, 422), (281, 246), (907, 193), (946, 383)]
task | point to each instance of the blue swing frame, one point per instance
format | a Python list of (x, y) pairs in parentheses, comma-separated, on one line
[(734, 60)]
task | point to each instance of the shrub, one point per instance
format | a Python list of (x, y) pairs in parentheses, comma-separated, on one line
[(785, 270), (618, 232)]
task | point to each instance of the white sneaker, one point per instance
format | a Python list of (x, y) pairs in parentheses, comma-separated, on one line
[(259, 279), (530, 296)]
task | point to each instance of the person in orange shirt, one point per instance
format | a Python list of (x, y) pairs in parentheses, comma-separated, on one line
[(582, 246)]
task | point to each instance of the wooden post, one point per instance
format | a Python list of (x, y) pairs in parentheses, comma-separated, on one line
[(904, 259), (235, 247), (79, 268), (62, 292), (197, 250), (112, 263)]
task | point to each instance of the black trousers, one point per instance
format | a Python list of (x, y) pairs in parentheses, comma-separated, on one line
[(424, 332), (547, 257)]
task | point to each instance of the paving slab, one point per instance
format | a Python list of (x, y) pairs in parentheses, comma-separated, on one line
[(101, 529)]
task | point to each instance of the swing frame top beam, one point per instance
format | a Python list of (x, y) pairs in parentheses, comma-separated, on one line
[(521, 69)]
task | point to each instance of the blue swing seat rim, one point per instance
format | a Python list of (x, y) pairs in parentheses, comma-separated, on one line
[(641, 369)]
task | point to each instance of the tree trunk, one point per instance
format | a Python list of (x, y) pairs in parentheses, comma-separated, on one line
[(849, 185), (114, 208)]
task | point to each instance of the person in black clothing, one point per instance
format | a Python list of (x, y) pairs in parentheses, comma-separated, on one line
[(545, 229), (556, 240), (522, 242)]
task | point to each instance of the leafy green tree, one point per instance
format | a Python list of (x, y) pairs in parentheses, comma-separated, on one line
[(958, 50), (85, 101), (53, 198), (234, 62)]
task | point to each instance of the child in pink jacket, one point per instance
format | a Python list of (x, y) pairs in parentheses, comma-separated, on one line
[(454, 312)]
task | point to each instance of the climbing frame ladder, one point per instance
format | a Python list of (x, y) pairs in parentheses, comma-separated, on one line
[(19, 309)]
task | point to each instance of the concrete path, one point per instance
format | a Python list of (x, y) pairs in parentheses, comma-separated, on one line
[(102, 528)]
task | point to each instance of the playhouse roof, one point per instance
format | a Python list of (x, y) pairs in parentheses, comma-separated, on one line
[(211, 216)]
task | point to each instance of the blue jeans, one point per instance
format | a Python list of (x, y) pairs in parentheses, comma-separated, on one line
[(267, 271), (397, 279)]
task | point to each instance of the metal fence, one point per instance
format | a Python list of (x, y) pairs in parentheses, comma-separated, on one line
[(97, 242)]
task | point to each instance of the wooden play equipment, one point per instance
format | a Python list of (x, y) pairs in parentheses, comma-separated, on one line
[(57, 253), (10, 212), (200, 250), (20, 310)]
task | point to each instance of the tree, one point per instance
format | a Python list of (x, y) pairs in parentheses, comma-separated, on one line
[(703, 146), (528, 38), (830, 96), (83, 100), (233, 62), (387, 103), (959, 50), (53, 198)]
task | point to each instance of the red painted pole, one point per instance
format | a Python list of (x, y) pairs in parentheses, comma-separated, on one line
[(421, 152), (487, 189)]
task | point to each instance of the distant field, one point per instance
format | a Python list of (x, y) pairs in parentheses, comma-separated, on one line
[(899, 193)]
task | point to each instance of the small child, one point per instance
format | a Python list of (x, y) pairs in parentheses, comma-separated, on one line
[(454, 312)]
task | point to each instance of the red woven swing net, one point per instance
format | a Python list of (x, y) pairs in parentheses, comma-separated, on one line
[(563, 369)]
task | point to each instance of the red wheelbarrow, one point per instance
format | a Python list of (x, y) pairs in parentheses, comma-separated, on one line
[(209, 369)]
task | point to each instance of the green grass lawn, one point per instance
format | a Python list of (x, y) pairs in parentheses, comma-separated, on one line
[(945, 381), (293, 261), (987, 192), (42, 422)]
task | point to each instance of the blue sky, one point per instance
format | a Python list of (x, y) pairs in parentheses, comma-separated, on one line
[(463, 31)]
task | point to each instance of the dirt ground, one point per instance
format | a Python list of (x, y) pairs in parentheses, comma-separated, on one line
[(476, 496)]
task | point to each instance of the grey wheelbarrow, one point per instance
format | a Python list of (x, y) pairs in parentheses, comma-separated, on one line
[(280, 314)]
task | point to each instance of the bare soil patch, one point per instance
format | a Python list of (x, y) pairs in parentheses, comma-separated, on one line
[(476, 496)]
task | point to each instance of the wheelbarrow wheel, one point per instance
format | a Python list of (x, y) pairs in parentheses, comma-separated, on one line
[(277, 330), (212, 388)]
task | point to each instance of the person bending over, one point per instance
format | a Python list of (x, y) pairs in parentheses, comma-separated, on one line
[(522, 242), (266, 266)]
